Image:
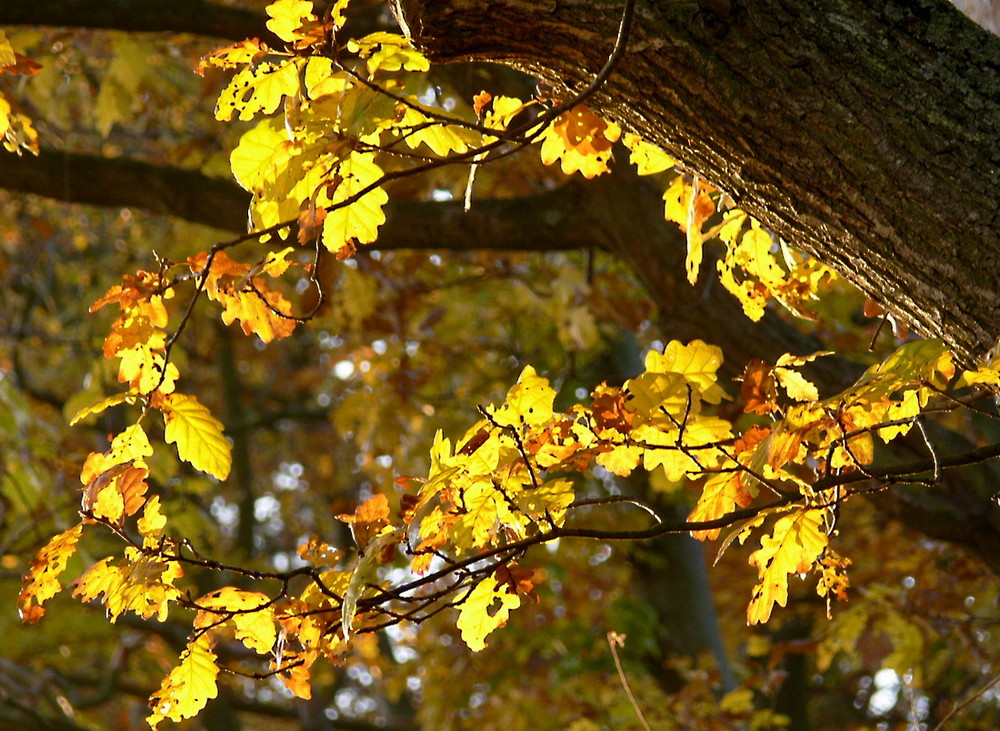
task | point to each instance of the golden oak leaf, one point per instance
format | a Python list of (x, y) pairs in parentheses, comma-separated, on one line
[(252, 161), (135, 288), (197, 434), (319, 552), (549, 501), (484, 509), (261, 311), (528, 402), (440, 138), (227, 57), (792, 548), (697, 361), (581, 142), (259, 89), (296, 675), (388, 52), (647, 158), (251, 613), (908, 407), (795, 384), (361, 219), (7, 55), (142, 368), (723, 493), (41, 583), (152, 522), (833, 581), (287, 16), (141, 584), (117, 492), (486, 608), (620, 460), (101, 406), (189, 686)]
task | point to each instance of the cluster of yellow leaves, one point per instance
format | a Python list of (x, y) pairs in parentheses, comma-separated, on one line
[(16, 130), (504, 479), (818, 436), (580, 141), (316, 161)]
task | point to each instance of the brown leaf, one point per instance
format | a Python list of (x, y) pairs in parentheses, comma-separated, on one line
[(758, 391)]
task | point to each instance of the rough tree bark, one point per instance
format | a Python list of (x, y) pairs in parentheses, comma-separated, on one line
[(865, 133)]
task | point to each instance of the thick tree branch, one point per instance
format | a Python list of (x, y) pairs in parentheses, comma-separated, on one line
[(195, 197), (865, 133), (176, 16)]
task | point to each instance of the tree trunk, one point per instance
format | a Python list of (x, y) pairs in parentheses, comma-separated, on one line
[(865, 133)]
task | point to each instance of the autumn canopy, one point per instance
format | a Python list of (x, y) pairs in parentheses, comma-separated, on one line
[(642, 377)]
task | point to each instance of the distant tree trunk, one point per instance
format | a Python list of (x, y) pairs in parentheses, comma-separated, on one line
[(865, 133)]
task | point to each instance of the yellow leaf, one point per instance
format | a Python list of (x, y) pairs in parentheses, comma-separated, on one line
[(251, 161), (152, 522), (132, 445), (581, 142), (361, 219), (620, 460), (231, 56), (287, 16), (389, 52), (548, 501), (440, 138), (7, 55), (117, 492), (906, 408), (140, 584), (258, 89), (100, 406), (792, 548), (188, 687), (197, 434), (697, 361), (41, 583), (796, 385), (647, 158), (479, 614), (723, 493), (142, 368), (528, 402), (250, 612)]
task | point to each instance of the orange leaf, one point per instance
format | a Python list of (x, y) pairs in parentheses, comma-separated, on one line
[(758, 391), (41, 583), (368, 520)]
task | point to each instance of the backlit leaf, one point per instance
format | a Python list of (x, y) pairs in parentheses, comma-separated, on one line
[(287, 16), (41, 583), (197, 434), (258, 89), (529, 401), (487, 608), (188, 687), (389, 52), (792, 548), (250, 612)]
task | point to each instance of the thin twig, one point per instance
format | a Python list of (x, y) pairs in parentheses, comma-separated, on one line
[(959, 706), (615, 641)]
